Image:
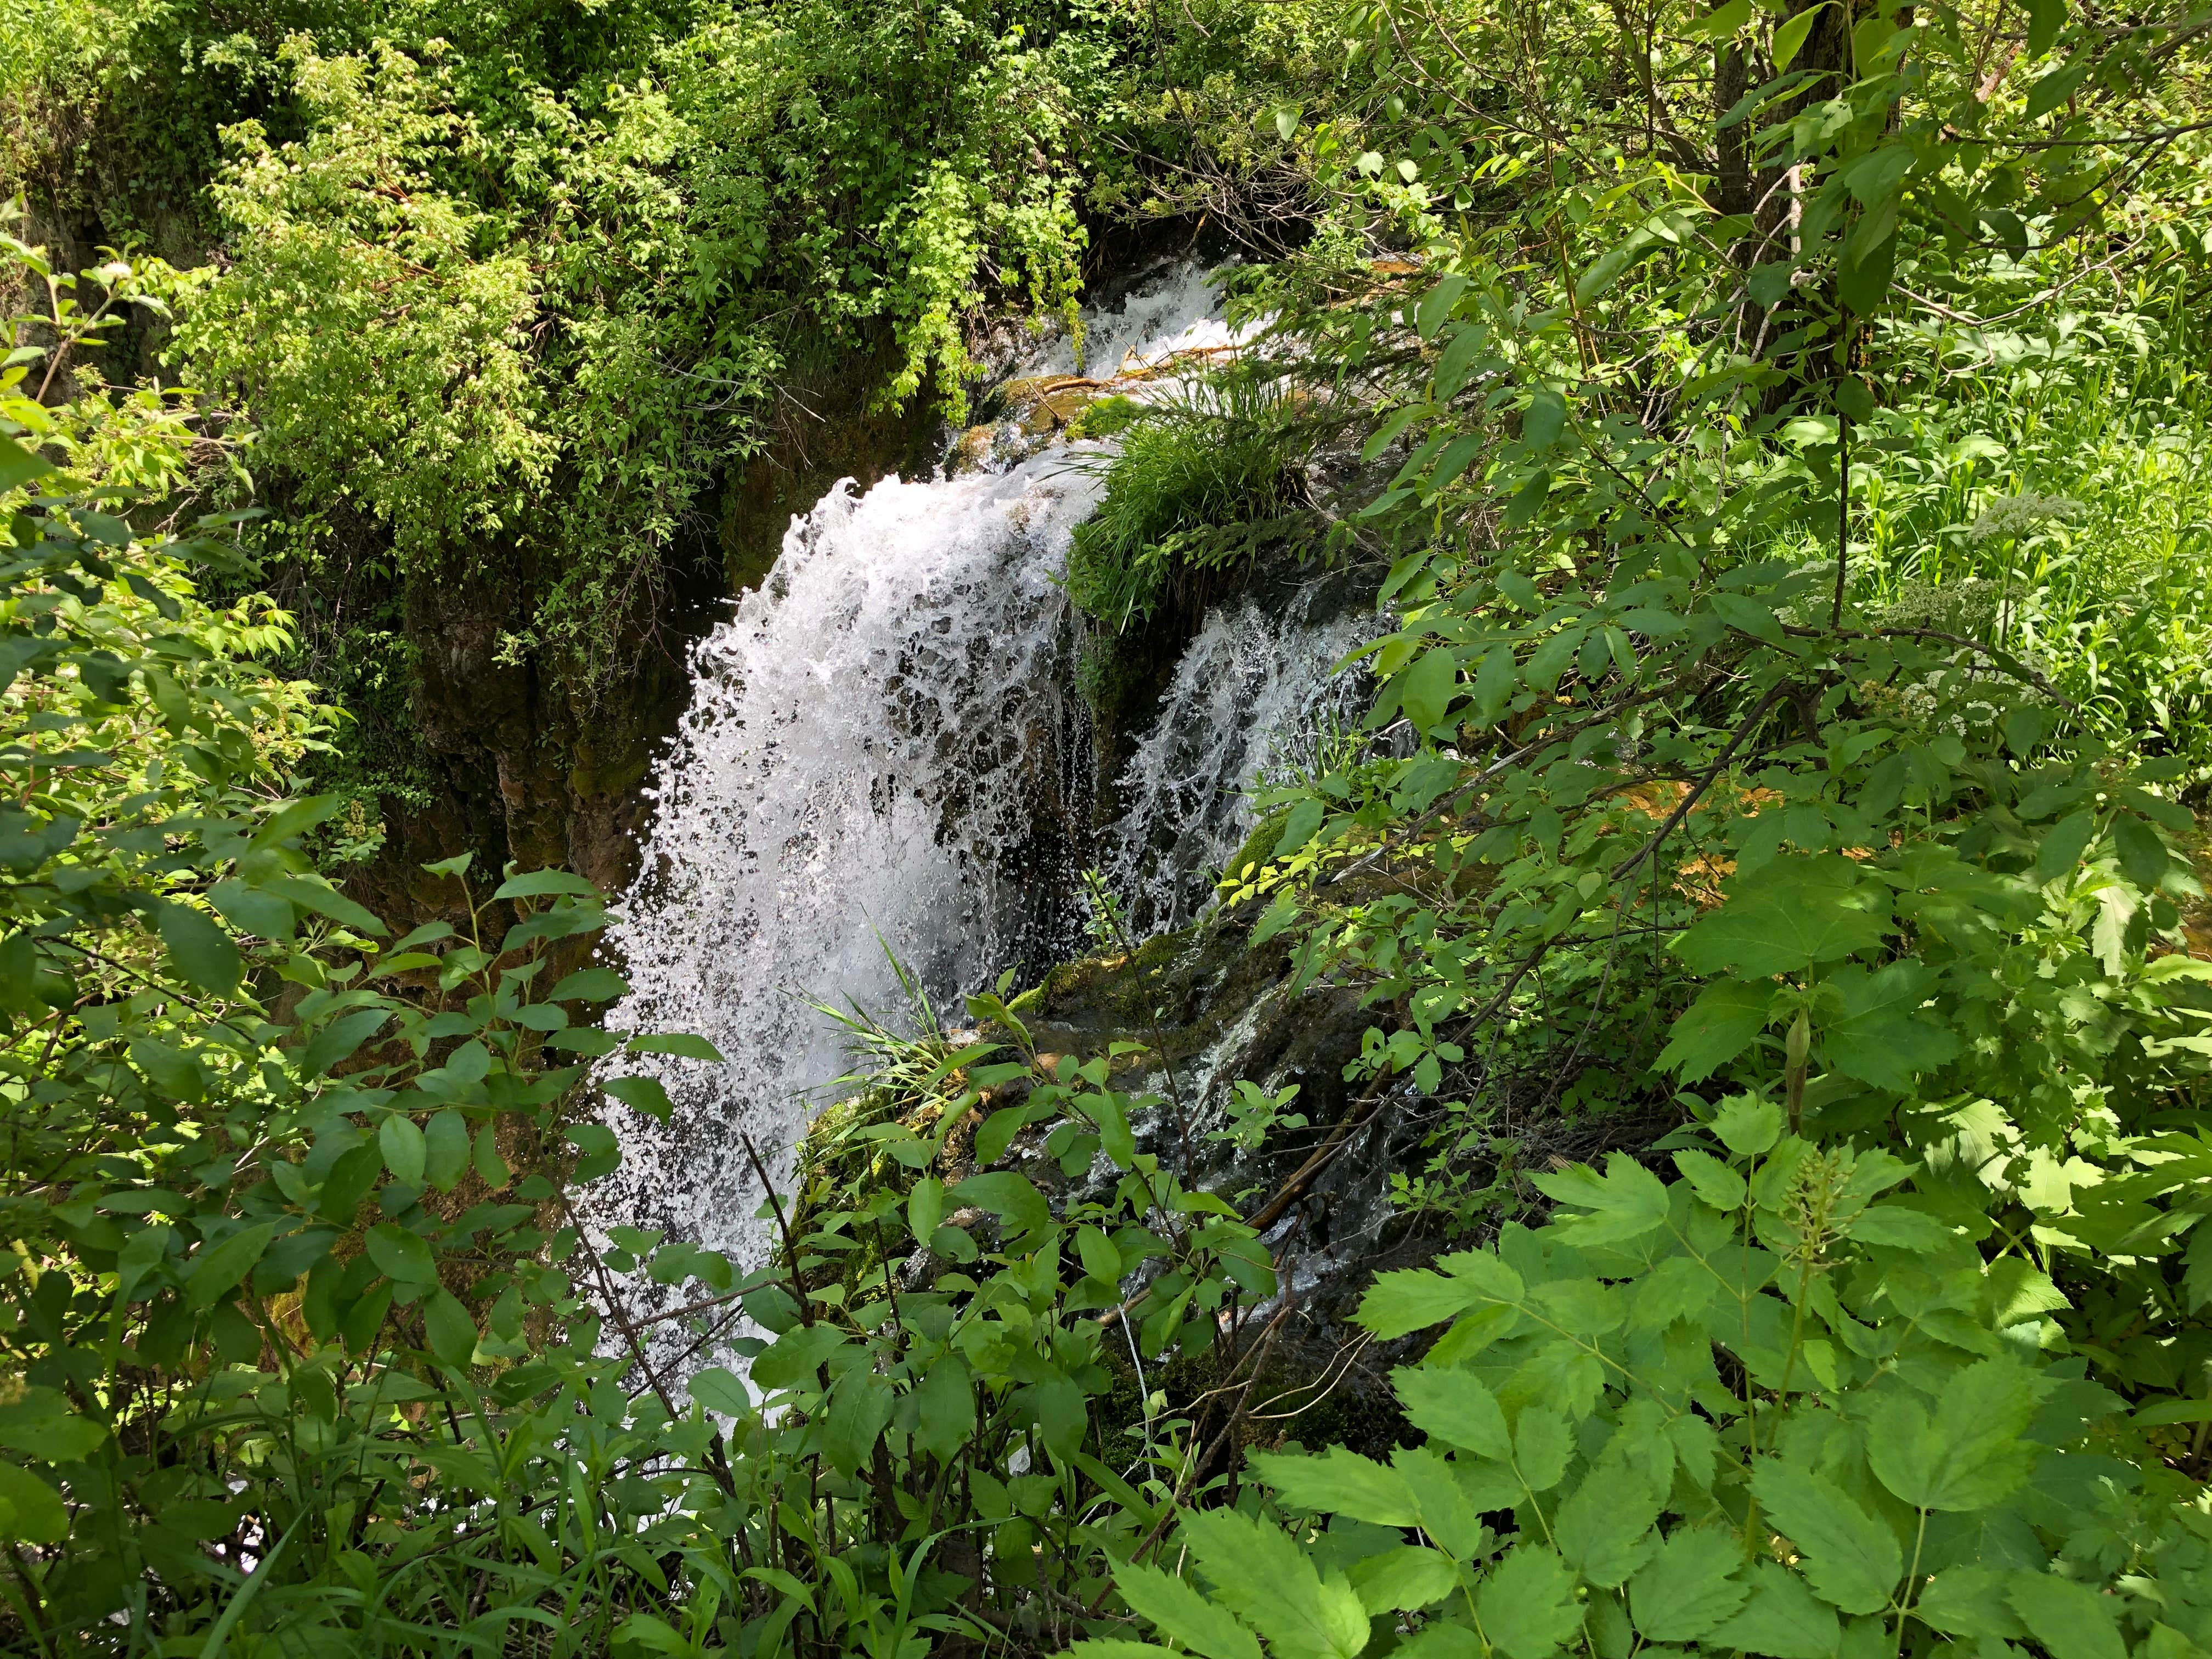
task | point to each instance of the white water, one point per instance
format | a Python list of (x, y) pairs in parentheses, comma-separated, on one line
[(883, 748)]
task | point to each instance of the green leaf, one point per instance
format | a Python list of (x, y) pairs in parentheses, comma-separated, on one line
[(1713, 1182), (2045, 19), (313, 893), (2070, 1619), (1403, 1580), (1727, 1015), (18, 466), (1457, 364), (1604, 1530), (1783, 1619), (451, 1332), (721, 1392), (682, 1044), (446, 1150), (1722, 22), (1851, 1558), (542, 883), (1542, 1443), (925, 1210), (1183, 1614), (340, 1039), (203, 953), (2061, 84), (1748, 1125), (1688, 1588), (1272, 1585), (1792, 912), (1878, 1034), (1427, 688), (1435, 306), (1970, 1454), (1341, 1482), (400, 1255), (1454, 1406), (406, 1150), (590, 985), (1298, 828), (1527, 1603), (31, 1511), (215, 1271), (251, 910), (1790, 37), (2065, 841), (2143, 856), (1970, 1601), (1544, 420), (1627, 1202), (642, 1094)]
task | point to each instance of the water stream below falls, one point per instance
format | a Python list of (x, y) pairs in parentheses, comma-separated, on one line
[(885, 748)]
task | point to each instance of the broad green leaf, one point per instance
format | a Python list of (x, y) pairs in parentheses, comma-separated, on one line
[(1183, 1614), (1789, 36), (2142, 855), (1713, 1182), (406, 1151), (1851, 1558), (1271, 1584), (215, 1271), (1748, 1125), (1454, 1406), (203, 953), (400, 1255), (18, 466), (1723, 22), (1627, 1202), (451, 1332), (2071, 1620), (446, 1150), (1970, 1454), (1403, 1580), (542, 883), (1725, 1019), (682, 1044), (647, 1095), (1410, 1299), (1341, 1482), (1877, 1033), (1426, 690), (1790, 914), (2063, 843), (1527, 1603), (1970, 1601), (2045, 19), (1688, 1586), (1542, 1443), (590, 985), (1544, 418), (1783, 1619), (1436, 305), (31, 1511), (1605, 1529)]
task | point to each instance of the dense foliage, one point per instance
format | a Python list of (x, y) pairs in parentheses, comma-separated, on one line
[(1782, 429)]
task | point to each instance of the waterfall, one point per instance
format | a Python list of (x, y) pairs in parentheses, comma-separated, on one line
[(883, 749)]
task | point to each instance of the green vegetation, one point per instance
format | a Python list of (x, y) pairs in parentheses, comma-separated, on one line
[(1779, 445)]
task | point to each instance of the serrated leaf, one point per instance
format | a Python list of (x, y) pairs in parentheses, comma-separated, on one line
[(1527, 1603), (1267, 1581), (1783, 1619), (2143, 857), (1403, 1579), (1183, 1614), (1851, 1559), (1605, 1529), (1341, 1482), (1687, 1588), (1627, 1202), (1726, 1019), (1878, 1034), (1970, 1454), (2070, 1619), (1790, 914), (1454, 1406)]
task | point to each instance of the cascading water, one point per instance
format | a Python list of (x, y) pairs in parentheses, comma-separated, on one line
[(884, 751)]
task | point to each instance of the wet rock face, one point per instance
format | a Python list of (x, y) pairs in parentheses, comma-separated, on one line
[(1210, 1007)]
